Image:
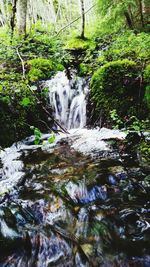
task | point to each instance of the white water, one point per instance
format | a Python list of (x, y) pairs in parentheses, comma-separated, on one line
[(68, 99)]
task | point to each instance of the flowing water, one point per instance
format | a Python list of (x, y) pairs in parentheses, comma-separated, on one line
[(77, 202), (68, 98)]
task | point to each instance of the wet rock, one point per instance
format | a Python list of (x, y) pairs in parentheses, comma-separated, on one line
[(10, 237), (112, 180), (80, 194)]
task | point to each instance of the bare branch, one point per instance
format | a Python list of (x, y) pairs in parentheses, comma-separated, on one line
[(72, 22), (22, 63), (48, 113)]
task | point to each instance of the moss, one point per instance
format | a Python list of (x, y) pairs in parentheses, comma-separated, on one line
[(40, 68), (101, 60), (83, 69), (116, 86), (113, 75), (78, 43), (60, 67), (19, 109)]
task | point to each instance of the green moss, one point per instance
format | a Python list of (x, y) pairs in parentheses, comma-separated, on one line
[(101, 60), (116, 86), (78, 43), (40, 68), (19, 109), (127, 45), (83, 69), (59, 67), (113, 75)]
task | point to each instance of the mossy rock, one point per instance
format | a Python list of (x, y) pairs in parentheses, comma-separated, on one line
[(83, 69), (116, 86), (77, 43), (39, 68)]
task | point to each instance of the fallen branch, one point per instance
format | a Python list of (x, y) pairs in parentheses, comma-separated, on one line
[(48, 113), (22, 63)]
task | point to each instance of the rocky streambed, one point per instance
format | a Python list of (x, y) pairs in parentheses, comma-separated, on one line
[(82, 201)]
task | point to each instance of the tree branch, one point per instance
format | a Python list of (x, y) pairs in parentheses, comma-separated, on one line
[(22, 63), (66, 26), (48, 113)]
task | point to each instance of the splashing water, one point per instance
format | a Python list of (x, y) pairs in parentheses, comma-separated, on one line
[(76, 206), (68, 98)]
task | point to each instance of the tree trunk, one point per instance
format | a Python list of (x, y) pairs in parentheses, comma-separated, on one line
[(141, 13), (128, 19), (22, 16), (12, 20), (146, 13), (83, 19)]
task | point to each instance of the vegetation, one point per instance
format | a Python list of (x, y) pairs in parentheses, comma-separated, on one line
[(107, 41)]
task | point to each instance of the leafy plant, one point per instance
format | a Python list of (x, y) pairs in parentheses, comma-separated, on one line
[(128, 123), (25, 102), (37, 134), (116, 119), (52, 139)]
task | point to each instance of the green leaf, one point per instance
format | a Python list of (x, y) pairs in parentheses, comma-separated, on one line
[(37, 133), (52, 139), (37, 141), (25, 102)]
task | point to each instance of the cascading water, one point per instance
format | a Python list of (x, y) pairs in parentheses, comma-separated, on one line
[(68, 98), (68, 205)]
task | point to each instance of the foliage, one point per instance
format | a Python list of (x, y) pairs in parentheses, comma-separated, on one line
[(119, 13), (128, 123), (40, 68), (147, 80), (116, 56), (125, 45), (117, 122), (78, 43), (116, 85), (38, 136), (147, 74), (19, 107), (144, 149), (83, 69), (52, 139)]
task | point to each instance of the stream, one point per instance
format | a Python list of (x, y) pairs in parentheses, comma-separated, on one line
[(76, 202)]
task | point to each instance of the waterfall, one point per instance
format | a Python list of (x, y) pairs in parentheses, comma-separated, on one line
[(68, 99)]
